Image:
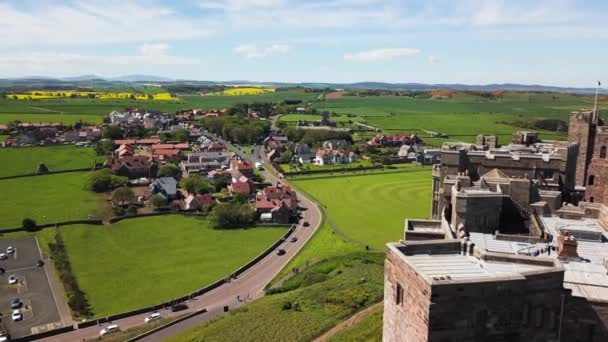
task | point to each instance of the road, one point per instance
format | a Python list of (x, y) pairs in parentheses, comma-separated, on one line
[(248, 286)]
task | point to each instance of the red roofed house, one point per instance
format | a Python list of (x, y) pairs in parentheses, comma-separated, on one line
[(215, 147), (245, 168), (199, 201), (240, 188), (165, 154), (133, 167), (125, 151), (276, 200)]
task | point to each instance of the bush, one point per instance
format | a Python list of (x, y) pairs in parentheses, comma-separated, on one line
[(132, 210), (76, 297), (119, 211), (195, 184), (232, 215), (29, 224), (104, 180), (122, 195), (158, 201), (42, 168)]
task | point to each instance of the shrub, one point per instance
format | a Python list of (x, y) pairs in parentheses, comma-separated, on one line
[(104, 180), (158, 201), (29, 224), (232, 215), (132, 210), (119, 211), (42, 168), (122, 195)]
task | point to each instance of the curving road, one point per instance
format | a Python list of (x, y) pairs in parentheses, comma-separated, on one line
[(248, 286)]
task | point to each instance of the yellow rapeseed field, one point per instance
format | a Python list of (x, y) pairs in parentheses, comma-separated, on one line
[(37, 95), (244, 91)]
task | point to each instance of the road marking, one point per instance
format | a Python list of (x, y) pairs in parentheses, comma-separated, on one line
[(21, 269)]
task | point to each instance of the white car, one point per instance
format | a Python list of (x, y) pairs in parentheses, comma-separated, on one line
[(10, 250), (12, 280), (109, 329), (153, 317), (3, 256), (3, 336), (17, 316)]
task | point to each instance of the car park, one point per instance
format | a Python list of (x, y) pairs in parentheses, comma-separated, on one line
[(17, 316), (281, 252), (109, 329), (10, 250), (179, 307), (12, 280), (16, 303), (153, 317)]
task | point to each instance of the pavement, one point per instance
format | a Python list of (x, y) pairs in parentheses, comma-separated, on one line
[(247, 287), (39, 310)]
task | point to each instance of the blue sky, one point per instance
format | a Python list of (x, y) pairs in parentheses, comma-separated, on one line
[(556, 42)]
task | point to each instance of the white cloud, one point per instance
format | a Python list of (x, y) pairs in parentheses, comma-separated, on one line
[(381, 54), (94, 23), (150, 56), (238, 5), (252, 51), (433, 60), (500, 12)]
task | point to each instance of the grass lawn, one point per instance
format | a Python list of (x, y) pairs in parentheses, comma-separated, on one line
[(46, 199), (3, 137), (368, 329), (140, 262), (312, 117), (66, 119), (371, 208), (22, 160), (305, 167), (313, 302)]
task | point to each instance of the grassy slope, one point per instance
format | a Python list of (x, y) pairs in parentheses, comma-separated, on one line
[(369, 328), (17, 161), (372, 208), (146, 261), (326, 294), (48, 198)]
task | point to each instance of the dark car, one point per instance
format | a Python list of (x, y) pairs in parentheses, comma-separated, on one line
[(16, 303), (294, 239), (281, 252), (39, 263), (2, 270), (179, 307), (306, 224)]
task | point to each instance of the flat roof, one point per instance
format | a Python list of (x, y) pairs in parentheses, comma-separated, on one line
[(460, 267)]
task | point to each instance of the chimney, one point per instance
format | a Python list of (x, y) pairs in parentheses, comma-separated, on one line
[(566, 246)]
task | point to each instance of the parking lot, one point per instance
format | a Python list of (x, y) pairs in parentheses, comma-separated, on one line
[(39, 309)]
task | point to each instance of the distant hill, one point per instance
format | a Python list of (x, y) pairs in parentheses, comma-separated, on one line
[(86, 80)]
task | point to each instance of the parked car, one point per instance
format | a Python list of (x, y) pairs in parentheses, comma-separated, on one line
[(306, 224), (109, 329), (17, 316), (3, 256), (12, 280), (281, 252), (2, 270), (10, 250), (16, 303), (294, 239), (179, 307), (39, 263), (153, 317), (4, 336)]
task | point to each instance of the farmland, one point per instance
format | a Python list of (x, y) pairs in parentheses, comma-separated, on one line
[(311, 303), (46, 199), (46, 95), (16, 161), (239, 91), (371, 208), (65, 119), (180, 254)]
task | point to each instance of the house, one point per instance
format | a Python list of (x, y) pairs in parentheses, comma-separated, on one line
[(206, 161), (133, 166), (303, 154), (334, 144), (381, 140), (329, 157), (273, 155), (89, 133), (164, 155), (405, 150), (124, 150), (216, 174), (241, 167), (199, 201), (140, 142), (243, 188), (164, 186), (281, 202), (275, 142)]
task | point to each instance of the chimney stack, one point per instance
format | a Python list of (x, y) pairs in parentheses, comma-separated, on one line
[(566, 246)]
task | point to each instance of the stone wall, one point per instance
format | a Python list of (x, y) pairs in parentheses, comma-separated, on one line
[(598, 169), (581, 131)]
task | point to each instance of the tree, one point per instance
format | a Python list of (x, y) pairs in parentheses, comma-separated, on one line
[(122, 195), (195, 184), (112, 132), (168, 170), (29, 224), (42, 168), (181, 135), (104, 147), (232, 215), (104, 180), (286, 157), (158, 201)]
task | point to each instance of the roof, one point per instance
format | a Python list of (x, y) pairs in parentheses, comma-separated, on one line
[(162, 146), (241, 187), (130, 162), (168, 184), (166, 152), (496, 173)]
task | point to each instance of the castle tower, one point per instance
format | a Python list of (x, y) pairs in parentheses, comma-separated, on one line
[(581, 131)]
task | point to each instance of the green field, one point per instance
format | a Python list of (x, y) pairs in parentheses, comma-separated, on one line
[(23, 160), (306, 167), (46, 199), (368, 329), (372, 208), (141, 262), (461, 117), (310, 118), (66, 119), (312, 302)]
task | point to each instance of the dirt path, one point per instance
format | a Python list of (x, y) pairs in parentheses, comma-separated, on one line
[(352, 320), (46, 110)]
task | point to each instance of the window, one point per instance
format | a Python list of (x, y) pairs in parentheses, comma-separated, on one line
[(591, 199), (591, 180), (603, 152), (399, 295)]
